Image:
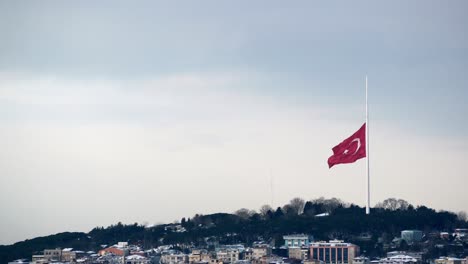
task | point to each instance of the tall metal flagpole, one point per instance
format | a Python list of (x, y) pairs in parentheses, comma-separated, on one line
[(367, 155)]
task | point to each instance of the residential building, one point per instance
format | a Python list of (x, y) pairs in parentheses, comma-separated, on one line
[(300, 240), (247, 254), (261, 251), (68, 255), (334, 251), (194, 257), (460, 232), (449, 261), (268, 260), (233, 255), (444, 235), (361, 260), (298, 253), (417, 255), (53, 254), (122, 244), (199, 256), (38, 259), (411, 236), (112, 250), (399, 259), (173, 258), (222, 256), (136, 259)]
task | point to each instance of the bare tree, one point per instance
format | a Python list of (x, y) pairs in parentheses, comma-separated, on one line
[(331, 204), (462, 216), (402, 204), (394, 204), (244, 213), (264, 210), (288, 210), (297, 205)]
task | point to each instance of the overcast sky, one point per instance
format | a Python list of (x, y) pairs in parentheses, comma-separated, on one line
[(153, 111)]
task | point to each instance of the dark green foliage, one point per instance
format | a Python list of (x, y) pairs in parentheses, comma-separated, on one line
[(27, 248), (343, 222)]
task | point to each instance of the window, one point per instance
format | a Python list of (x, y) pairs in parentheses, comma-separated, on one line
[(314, 253), (333, 255), (327, 255), (345, 255)]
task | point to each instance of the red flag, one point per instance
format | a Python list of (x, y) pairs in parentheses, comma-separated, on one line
[(351, 149)]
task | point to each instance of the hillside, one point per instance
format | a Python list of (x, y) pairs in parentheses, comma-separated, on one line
[(347, 222)]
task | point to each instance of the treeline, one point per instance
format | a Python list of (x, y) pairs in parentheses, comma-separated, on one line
[(323, 218)]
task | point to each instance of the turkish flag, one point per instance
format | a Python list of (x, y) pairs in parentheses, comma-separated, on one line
[(351, 149)]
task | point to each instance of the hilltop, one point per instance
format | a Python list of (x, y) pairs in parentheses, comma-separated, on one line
[(323, 218)]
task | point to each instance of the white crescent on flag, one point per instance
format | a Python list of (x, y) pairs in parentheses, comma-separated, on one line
[(358, 146)]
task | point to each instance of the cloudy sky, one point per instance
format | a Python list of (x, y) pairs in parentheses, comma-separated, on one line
[(151, 111)]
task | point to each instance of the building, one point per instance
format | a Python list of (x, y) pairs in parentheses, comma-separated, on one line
[(417, 255), (233, 255), (261, 251), (335, 251), (300, 240), (444, 235), (298, 253), (53, 254), (173, 258), (361, 260), (136, 259), (227, 255), (247, 254), (449, 261), (312, 261), (268, 260), (222, 256), (19, 261), (38, 259), (411, 236), (68, 255), (111, 250), (195, 256), (399, 259)]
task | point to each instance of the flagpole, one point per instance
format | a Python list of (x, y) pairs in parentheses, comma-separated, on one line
[(367, 159)]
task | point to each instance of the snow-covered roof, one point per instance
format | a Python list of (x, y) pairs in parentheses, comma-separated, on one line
[(361, 258), (399, 258), (20, 261), (321, 215), (67, 249), (135, 257)]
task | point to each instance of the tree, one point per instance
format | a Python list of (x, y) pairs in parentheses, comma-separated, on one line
[(264, 210), (462, 216), (322, 205), (289, 210), (332, 204), (297, 205), (244, 213), (402, 204), (309, 208), (278, 212), (394, 204)]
